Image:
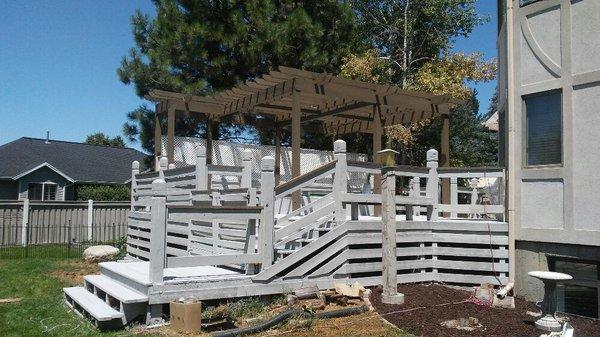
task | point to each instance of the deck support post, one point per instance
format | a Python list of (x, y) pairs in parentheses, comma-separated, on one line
[(388, 233), (340, 180), (267, 217), (135, 170), (158, 233), (201, 169), (377, 135), (432, 184), (277, 155), (453, 195), (209, 148), (154, 313), (296, 139), (444, 109), (157, 135), (171, 134), (246, 169)]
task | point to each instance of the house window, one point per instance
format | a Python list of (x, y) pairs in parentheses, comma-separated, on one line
[(543, 114), (41, 191), (580, 295), (527, 2)]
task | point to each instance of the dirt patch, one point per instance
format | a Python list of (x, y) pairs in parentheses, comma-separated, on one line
[(72, 272), (433, 304)]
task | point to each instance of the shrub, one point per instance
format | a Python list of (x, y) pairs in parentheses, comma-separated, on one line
[(102, 192)]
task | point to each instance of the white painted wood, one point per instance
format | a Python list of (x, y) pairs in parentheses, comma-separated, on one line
[(116, 289), (158, 233), (453, 194), (246, 180), (212, 260), (432, 184), (340, 180), (388, 233), (267, 201), (90, 220), (135, 170), (25, 223), (93, 305)]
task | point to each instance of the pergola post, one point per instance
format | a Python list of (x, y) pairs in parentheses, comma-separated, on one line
[(209, 147), (296, 130), (171, 134), (377, 135), (445, 150), (157, 135), (277, 155)]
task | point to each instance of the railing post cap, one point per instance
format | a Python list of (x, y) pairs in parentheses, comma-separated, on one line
[(200, 150), (339, 146), (171, 166), (267, 163), (163, 161), (135, 165), (432, 155), (158, 182), (246, 155), (473, 182)]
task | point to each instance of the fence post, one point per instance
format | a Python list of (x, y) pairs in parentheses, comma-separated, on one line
[(388, 230), (340, 180), (415, 191), (158, 232), (473, 185), (25, 223), (453, 195), (163, 165), (135, 170), (201, 169), (246, 169), (432, 184), (267, 217), (90, 220)]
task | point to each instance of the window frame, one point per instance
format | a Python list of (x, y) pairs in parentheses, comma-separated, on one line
[(43, 191), (525, 130), (552, 259)]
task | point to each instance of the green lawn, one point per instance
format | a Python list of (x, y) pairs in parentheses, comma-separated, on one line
[(41, 311)]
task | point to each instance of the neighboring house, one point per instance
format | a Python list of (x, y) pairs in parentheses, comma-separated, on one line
[(491, 121), (549, 105), (41, 169)]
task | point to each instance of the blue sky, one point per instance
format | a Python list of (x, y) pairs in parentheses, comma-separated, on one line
[(58, 62)]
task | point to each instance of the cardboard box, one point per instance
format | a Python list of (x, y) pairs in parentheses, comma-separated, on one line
[(185, 317)]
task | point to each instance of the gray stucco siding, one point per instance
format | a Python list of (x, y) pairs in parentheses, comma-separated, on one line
[(43, 175)]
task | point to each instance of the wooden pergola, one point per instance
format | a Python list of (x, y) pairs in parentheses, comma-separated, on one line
[(292, 97)]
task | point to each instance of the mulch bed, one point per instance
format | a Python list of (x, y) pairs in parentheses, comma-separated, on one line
[(496, 321)]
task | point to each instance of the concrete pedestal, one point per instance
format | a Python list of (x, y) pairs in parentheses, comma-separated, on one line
[(397, 298), (548, 322)]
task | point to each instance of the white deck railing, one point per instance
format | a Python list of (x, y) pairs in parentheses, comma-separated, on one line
[(182, 217)]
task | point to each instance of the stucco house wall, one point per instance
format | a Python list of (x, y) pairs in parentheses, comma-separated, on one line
[(555, 47)]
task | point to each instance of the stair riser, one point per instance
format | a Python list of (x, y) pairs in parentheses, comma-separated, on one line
[(125, 280)]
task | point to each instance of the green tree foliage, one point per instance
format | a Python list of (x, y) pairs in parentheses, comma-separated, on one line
[(102, 192), (409, 33), (100, 138), (202, 47)]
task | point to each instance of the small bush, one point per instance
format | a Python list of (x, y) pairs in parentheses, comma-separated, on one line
[(247, 307), (102, 192)]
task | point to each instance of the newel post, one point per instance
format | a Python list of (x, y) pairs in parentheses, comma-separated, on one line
[(388, 229), (432, 184), (246, 169), (340, 179), (135, 170), (163, 165), (158, 232), (267, 217), (201, 169)]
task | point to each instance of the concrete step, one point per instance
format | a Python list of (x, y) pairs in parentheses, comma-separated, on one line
[(115, 289), (88, 305)]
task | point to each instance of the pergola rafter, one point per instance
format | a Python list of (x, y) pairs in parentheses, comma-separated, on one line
[(292, 97)]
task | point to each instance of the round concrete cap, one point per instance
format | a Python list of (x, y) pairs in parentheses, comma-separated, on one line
[(550, 275), (432, 155), (246, 154), (267, 163), (339, 146), (135, 165)]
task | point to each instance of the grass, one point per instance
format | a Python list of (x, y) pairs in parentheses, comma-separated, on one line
[(41, 312)]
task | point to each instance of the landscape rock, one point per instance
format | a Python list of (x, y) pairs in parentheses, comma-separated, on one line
[(101, 253)]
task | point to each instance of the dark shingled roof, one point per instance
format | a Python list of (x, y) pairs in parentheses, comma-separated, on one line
[(82, 162)]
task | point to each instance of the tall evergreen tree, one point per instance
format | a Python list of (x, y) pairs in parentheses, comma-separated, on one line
[(202, 47)]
